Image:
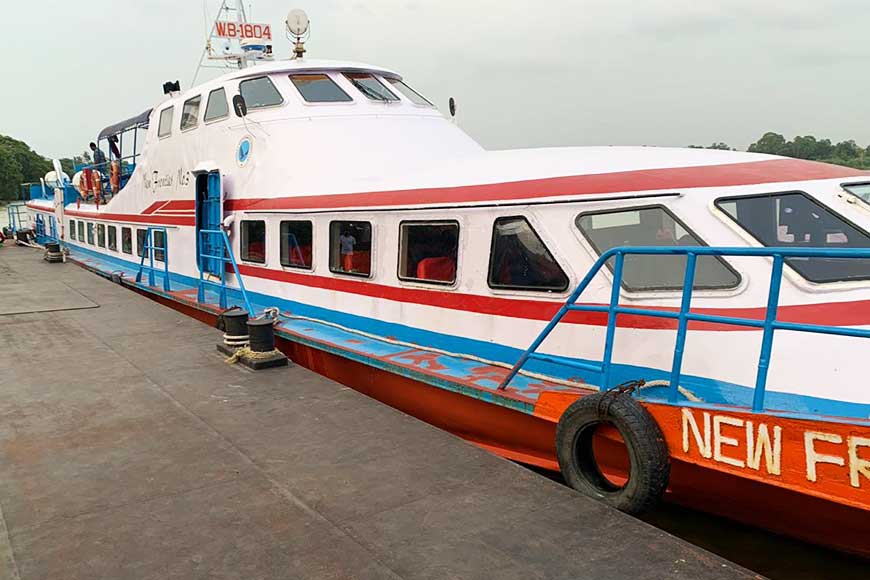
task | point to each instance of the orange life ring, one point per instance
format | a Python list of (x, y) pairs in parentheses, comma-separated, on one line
[(115, 177)]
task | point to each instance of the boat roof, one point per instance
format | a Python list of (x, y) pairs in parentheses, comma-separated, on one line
[(135, 121)]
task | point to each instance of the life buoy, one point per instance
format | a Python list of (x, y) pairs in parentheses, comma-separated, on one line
[(115, 177), (649, 463)]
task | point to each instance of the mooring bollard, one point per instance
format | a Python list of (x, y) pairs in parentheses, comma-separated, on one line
[(53, 253), (235, 328), (262, 333)]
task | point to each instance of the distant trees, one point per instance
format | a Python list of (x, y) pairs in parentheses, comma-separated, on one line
[(721, 146), (846, 153), (18, 163)]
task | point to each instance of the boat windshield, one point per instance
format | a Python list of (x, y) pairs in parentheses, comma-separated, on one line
[(371, 87)]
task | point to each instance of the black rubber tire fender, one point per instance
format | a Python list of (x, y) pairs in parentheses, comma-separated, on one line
[(647, 451)]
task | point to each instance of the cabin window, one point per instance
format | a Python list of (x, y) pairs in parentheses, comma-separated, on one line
[(319, 88), (190, 113), (140, 242), (409, 93), (653, 226), (72, 229), (164, 128), (217, 107), (371, 87), (794, 220), (259, 93), (519, 260), (296, 238), (101, 235), (126, 241), (112, 238), (158, 240), (254, 241), (428, 251), (350, 248), (81, 227), (859, 190), (90, 233)]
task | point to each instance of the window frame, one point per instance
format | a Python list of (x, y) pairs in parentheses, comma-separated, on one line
[(171, 109), (159, 251), (195, 118), (350, 100), (112, 234), (129, 231), (427, 104), (207, 121), (262, 107), (489, 267), (845, 187), (140, 248), (265, 242), (72, 229), (701, 243), (101, 239), (308, 268), (332, 270), (434, 222), (744, 230), (348, 74), (81, 231), (91, 234)]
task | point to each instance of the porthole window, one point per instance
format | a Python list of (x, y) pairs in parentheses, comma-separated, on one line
[(253, 241), (428, 251), (350, 248), (653, 226), (296, 244), (519, 260), (795, 220)]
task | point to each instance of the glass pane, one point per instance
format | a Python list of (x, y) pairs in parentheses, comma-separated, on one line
[(350, 248), (91, 234), (519, 259), (126, 241), (429, 252), (796, 220), (296, 244), (113, 238), (72, 229), (165, 126), (260, 92), (159, 242), (409, 93), (217, 107), (653, 226), (190, 113), (371, 87), (140, 242), (319, 89), (861, 190), (254, 241), (81, 227)]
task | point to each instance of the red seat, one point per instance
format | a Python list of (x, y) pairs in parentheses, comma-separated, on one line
[(442, 269), (362, 262)]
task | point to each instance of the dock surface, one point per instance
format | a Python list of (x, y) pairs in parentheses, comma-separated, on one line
[(130, 450)]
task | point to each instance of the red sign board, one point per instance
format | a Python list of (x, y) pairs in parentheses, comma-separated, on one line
[(243, 30)]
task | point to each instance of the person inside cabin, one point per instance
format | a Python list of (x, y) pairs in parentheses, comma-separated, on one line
[(346, 243), (99, 158)]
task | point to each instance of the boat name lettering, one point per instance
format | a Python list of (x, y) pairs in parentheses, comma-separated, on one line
[(758, 445), (156, 180)]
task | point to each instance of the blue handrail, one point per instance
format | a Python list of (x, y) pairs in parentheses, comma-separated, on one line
[(684, 315), (225, 257), (148, 249)]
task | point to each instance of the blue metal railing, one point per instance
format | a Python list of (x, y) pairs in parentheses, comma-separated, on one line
[(684, 315), (149, 249), (224, 257)]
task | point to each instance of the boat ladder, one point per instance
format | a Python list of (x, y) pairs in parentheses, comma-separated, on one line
[(223, 257), (684, 315), (149, 250)]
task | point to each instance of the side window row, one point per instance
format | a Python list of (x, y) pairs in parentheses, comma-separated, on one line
[(260, 92), (428, 251), (107, 237)]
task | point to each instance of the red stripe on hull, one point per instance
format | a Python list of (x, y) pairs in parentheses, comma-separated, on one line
[(854, 313), (163, 220), (734, 174)]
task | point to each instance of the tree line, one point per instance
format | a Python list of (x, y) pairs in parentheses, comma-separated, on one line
[(21, 164), (846, 153)]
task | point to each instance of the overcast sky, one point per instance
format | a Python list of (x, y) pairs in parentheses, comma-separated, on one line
[(524, 73)]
